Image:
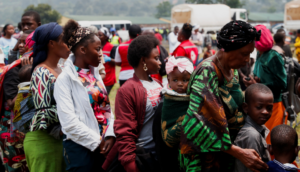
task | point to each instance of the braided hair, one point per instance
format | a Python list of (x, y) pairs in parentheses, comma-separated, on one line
[(187, 30), (236, 34)]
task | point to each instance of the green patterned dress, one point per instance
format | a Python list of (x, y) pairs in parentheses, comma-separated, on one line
[(212, 122)]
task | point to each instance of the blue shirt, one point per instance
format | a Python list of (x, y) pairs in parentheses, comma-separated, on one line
[(276, 166)]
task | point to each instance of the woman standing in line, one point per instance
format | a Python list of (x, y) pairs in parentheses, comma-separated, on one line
[(136, 102), (82, 102), (186, 47), (214, 116), (43, 144), (110, 66)]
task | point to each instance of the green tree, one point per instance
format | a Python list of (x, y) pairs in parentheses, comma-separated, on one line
[(163, 9), (46, 13)]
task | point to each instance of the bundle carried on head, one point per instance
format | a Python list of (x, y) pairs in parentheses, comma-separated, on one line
[(74, 34), (236, 34)]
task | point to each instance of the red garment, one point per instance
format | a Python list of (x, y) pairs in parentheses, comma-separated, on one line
[(187, 49), (110, 69), (123, 51), (130, 112), (159, 37), (3, 71)]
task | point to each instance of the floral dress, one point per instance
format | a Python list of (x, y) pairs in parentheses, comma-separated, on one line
[(98, 97)]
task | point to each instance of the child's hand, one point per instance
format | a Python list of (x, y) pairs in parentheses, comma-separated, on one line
[(107, 145)]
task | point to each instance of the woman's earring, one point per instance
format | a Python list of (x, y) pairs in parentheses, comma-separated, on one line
[(145, 67)]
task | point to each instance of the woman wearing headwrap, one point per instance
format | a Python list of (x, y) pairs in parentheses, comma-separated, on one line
[(110, 66), (269, 70), (214, 116), (82, 103), (43, 144), (186, 47), (11, 141)]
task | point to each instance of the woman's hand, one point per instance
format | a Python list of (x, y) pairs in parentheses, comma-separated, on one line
[(250, 80), (252, 160), (106, 144), (26, 61), (249, 157)]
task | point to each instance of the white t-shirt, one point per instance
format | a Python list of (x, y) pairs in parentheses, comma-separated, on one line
[(197, 37), (7, 44), (125, 74), (173, 42), (153, 88)]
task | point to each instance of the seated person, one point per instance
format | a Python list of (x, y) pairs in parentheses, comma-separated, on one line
[(258, 106), (170, 114), (284, 140)]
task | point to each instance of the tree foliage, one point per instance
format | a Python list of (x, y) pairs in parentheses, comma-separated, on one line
[(46, 13), (163, 9)]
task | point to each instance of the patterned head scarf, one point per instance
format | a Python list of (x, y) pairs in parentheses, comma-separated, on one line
[(77, 35), (236, 34)]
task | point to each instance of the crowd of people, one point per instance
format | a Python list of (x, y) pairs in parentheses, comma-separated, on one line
[(224, 113)]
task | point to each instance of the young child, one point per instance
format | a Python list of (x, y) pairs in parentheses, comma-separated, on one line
[(258, 106), (284, 140), (172, 111)]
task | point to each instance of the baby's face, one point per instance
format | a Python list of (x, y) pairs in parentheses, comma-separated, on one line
[(260, 108), (179, 81)]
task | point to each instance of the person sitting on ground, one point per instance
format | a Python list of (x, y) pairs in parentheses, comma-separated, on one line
[(285, 149), (279, 39), (209, 52), (170, 112), (258, 106)]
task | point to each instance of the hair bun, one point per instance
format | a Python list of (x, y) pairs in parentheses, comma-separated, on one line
[(187, 27), (69, 29)]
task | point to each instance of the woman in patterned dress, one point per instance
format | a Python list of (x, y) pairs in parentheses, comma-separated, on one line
[(43, 144), (214, 116)]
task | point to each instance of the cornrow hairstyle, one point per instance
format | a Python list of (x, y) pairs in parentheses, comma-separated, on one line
[(187, 30), (237, 34)]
